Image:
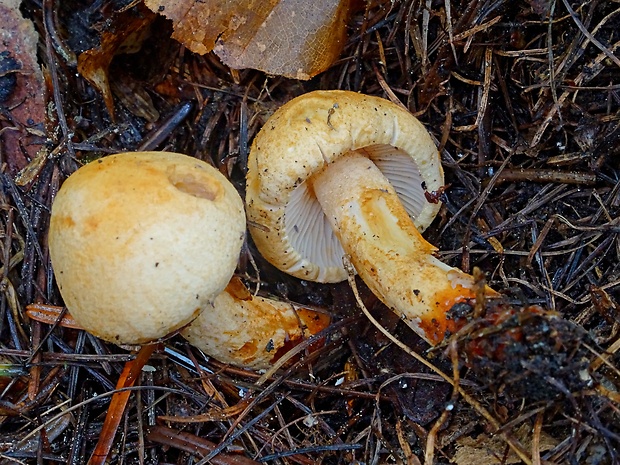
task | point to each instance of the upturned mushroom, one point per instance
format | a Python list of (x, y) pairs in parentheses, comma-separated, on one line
[(335, 173), (142, 243)]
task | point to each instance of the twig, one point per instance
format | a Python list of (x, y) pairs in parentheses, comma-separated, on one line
[(546, 175), (158, 135), (449, 407), (590, 37)]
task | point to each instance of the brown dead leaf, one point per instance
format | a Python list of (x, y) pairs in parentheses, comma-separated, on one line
[(292, 38), (197, 25), (23, 90), (126, 29)]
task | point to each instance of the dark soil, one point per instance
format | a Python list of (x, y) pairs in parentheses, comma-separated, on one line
[(523, 98)]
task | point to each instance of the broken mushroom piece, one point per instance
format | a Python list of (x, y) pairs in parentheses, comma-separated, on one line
[(336, 172), (251, 331), (142, 242)]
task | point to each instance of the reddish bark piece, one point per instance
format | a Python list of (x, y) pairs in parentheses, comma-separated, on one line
[(50, 314), (25, 101), (292, 38), (128, 378), (195, 445)]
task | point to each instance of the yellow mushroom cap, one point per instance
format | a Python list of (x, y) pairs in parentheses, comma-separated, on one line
[(142, 242), (298, 141)]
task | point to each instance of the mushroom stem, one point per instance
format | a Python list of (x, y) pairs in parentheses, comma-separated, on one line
[(251, 331), (385, 247)]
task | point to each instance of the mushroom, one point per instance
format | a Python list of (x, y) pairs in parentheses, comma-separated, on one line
[(251, 331), (335, 173), (142, 243)]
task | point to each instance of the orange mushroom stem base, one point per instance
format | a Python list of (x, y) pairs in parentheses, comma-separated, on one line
[(251, 331), (386, 249)]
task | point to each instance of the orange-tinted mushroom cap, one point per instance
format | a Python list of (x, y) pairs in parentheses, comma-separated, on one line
[(142, 242)]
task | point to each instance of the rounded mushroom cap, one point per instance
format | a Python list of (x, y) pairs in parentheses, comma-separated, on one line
[(142, 242), (299, 140)]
